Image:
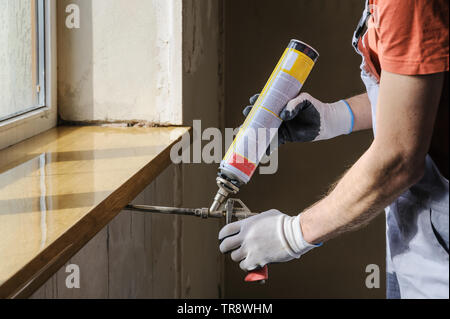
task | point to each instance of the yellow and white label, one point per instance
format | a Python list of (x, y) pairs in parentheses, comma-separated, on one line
[(283, 85)]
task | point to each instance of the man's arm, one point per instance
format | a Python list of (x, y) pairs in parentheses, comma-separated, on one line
[(406, 112), (361, 109)]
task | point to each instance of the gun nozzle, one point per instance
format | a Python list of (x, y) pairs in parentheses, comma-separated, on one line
[(225, 188), (214, 206), (218, 200)]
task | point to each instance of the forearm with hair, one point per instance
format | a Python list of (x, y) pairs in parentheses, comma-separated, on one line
[(406, 113), (355, 201)]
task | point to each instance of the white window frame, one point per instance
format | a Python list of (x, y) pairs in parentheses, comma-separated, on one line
[(43, 116)]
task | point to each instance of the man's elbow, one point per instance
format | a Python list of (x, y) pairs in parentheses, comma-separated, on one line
[(413, 169), (410, 169), (407, 167)]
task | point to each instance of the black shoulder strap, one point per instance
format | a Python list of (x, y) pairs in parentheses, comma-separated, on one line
[(361, 26)]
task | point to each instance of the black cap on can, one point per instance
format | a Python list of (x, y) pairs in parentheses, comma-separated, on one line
[(305, 48)]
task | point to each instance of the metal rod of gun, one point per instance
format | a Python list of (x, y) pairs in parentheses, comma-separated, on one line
[(239, 213)]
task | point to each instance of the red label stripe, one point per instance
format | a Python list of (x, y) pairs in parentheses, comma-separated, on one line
[(242, 164)]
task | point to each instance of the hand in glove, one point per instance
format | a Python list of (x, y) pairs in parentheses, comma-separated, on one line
[(306, 119), (264, 238)]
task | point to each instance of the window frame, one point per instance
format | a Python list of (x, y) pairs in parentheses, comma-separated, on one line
[(40, 65), (43, 116), (40, 5)]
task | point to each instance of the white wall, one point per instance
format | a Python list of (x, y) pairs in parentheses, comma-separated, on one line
[(123, 63)]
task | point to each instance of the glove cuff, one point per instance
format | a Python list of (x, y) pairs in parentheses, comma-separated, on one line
[(340, 117), (294, 237)]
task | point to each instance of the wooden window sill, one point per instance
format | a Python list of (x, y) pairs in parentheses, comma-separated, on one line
[(61, 187)]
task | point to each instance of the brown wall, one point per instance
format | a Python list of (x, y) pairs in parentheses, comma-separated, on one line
[(256, 33), (134, 256), (202, 263)]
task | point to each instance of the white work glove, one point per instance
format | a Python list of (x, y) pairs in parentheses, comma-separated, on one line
[(306, 119), (264, 238)]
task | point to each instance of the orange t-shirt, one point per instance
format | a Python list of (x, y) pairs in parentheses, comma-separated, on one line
[(407, 37), (411, 37)]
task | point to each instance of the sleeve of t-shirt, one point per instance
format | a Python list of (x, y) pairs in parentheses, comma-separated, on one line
[(413, 36)]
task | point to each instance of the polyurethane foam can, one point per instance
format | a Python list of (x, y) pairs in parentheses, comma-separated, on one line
[(285, 83)]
